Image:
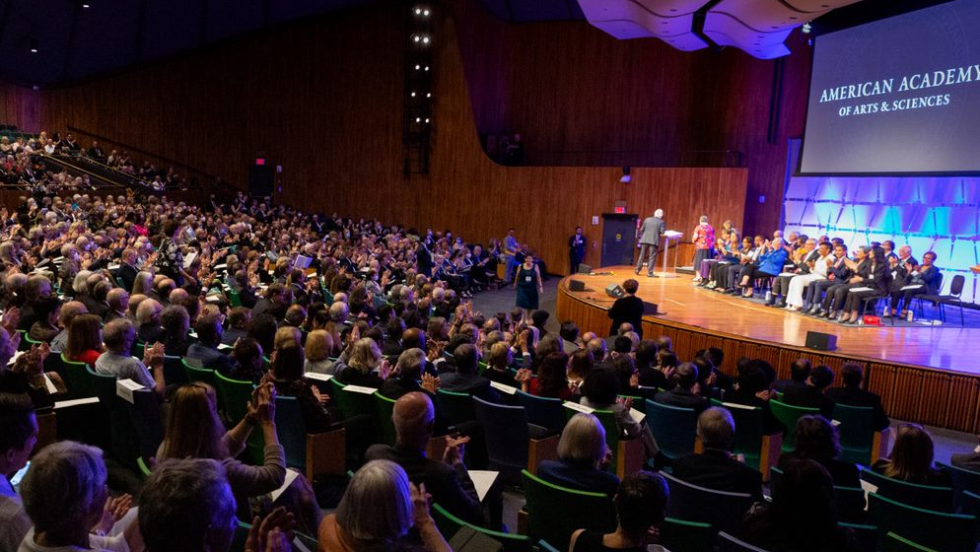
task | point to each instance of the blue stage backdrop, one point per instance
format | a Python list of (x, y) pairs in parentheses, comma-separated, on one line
[(938, 214)]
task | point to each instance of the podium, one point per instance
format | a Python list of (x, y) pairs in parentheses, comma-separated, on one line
[(668, 236)]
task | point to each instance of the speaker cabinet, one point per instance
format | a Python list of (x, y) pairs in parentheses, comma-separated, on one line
[(584, 269), (821, 341), (576, 285), (615, 290)]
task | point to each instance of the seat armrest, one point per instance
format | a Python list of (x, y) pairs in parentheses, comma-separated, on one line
[(539, 450), (879, 444), (326, 453)]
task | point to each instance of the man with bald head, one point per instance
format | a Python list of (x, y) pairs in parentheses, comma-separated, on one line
[(447, 481)]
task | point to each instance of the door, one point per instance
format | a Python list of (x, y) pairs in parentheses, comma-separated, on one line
[(618, 239)]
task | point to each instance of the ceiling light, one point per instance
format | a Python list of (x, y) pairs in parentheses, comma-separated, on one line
[(425, 13), (429, 95), (413, 94), (426, 67), (425, 40), (418, 119), (85, 5), (426, 121), (416, 38), (418, 11), (806, 28), (33, 46)]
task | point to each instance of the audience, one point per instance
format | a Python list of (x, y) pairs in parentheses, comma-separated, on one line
[(684, 393), (118, 337), (582, 458), (851, 394), (911, 459)]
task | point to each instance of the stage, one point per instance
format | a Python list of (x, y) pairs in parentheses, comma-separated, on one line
[(928, 374)]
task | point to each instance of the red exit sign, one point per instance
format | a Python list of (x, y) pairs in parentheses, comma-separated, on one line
[(620, 210)]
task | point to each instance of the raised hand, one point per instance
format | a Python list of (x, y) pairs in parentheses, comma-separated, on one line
[(271, 534), (455, 450), (430, 383)]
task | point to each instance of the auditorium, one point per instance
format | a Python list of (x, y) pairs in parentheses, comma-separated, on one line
[(489, 275)]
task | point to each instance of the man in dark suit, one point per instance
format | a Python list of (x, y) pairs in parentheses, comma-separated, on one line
[(682, 395), (799, 371), (209, 332), (649, 233), (852, 395), (715, 468), (465, 379), (576, 250), (812, 395), (127, 270), (447, 481)]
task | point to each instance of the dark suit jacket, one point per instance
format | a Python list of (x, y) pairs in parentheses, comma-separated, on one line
[(683, 399), (582, 477), (127, 274), (859, 397), (715, 469), (450, 486), (845, 474), (211, 358), (807, 396), (471, 384), (783, 385)]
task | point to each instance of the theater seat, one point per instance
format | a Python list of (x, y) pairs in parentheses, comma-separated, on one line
[(554, 512), (938, 530)]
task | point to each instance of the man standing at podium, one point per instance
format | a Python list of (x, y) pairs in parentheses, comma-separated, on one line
[(649, 233)]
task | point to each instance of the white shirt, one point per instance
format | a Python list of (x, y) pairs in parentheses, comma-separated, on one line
[(821, 267)]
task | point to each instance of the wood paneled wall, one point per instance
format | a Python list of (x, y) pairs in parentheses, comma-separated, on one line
[(323, 99), (19, 106), (580, 97)]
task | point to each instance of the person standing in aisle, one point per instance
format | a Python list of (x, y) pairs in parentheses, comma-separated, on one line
[(576, 250)]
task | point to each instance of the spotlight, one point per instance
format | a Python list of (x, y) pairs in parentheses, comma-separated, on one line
[(425, 13), (418, 11), (413, 94), (418, 119), (416, 38), (33, 46), (429, 95), (806, 28), (426, 67), (425, 40), (417, 67), (85, 5), (426, 121)]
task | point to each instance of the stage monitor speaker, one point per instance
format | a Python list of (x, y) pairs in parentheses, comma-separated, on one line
[(615, 290), (821, 341), (649, 308), (576, 285), (261, 180), (584, 269)]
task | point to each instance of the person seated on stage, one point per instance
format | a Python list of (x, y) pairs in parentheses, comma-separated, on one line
[(601, 392), (628, 308), (685, 392), (911, 459), (851, 394), (799, 371), (816, 271), (446, 478), (923, 279), (770, 265), (837, 272), (723, 250), (582, 451), (641, 504), (802, 261), (716, 468), (719, 278), (900, 266), (811, 395), (746, 259), (817, 440), (875, 284), (859, 270)]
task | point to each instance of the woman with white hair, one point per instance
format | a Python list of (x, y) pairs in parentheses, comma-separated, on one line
[(377, 511), (581, 452)]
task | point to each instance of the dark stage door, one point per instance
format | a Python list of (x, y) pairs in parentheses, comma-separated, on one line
[(618, 239)]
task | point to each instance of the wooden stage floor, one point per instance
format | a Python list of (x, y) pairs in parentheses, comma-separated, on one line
[(948, 347)]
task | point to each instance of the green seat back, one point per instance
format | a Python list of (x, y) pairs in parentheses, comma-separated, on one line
[(144, 467), (678, 535), (26, 342), (896, 543), (173, 370), (939, 499), (963, 481), (385, 408), (673, 427), (233, 298), (545, 412), (787, 415), (449, 525), (233, 396), (856, 432), (197, 374), (350, 403), (291, 429), (748, 431), (458, 407), (939, 530), (554, 512), (78, 383)]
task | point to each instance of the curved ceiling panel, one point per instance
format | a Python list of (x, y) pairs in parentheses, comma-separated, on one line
[(627, 19), (726, 30)]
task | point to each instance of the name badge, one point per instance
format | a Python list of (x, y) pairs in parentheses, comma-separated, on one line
[(871, 276), (527, 278)]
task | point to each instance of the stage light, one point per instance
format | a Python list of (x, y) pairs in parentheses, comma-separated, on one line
[(425, 40), (413, 94), (429, 95), (85, 5), (417, 67), (33, 46), (426, 67), (426, 121), (806, 28), (416, 38), (418, 119), (425, 13), (418, 11)]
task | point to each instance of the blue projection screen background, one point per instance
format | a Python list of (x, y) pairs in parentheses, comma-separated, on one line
[(897, 96), (929, 213)]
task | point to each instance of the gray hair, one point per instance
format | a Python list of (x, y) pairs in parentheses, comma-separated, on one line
[(583, 440), (377, 505), (80, 283), (704, 219), (411, 361), (114, 334), (185, 503), (64, 489), (716, 428)]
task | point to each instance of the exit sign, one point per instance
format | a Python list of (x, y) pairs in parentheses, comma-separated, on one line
[(620, 210)]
